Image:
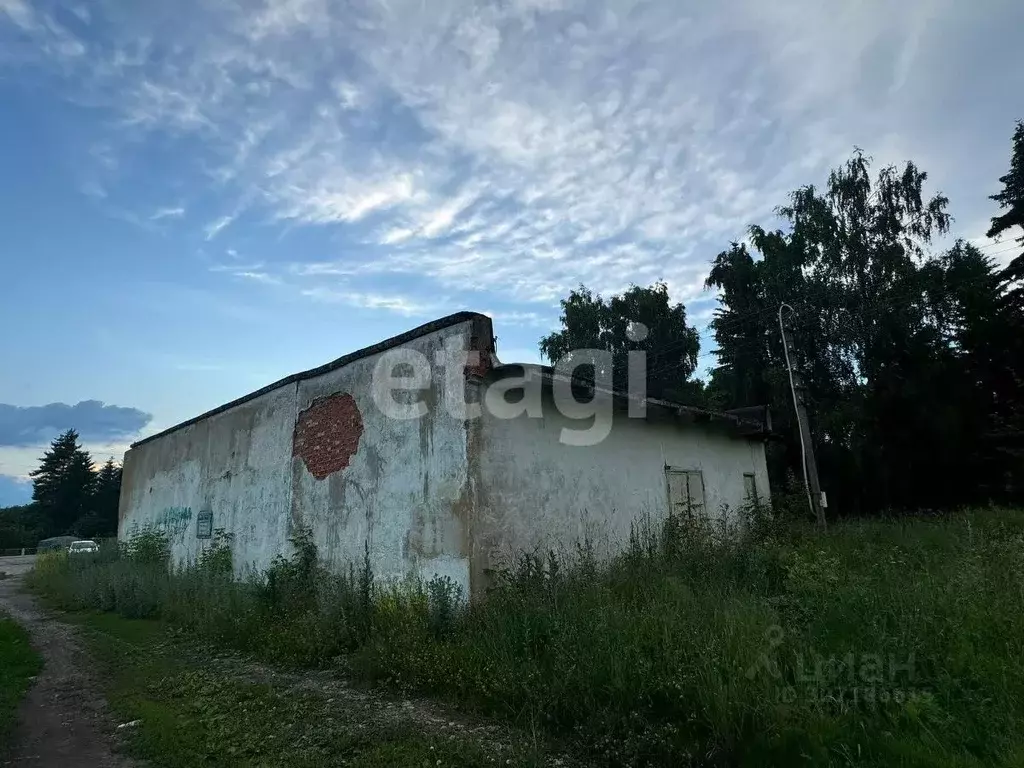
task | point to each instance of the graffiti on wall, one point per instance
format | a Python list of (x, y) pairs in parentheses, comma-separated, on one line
[(174, 521)]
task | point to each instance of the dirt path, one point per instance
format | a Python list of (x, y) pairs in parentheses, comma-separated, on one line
[(63, 720)]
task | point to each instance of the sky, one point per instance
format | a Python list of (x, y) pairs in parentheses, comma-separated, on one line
[(200, 197)]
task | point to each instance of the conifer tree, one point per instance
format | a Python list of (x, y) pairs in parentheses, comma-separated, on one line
[(64, 484)]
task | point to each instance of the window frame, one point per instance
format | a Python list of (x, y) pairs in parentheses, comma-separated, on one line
[(751, 495), (689, 474), (204, 524)]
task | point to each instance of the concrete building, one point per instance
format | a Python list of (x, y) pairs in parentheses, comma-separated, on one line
[(446, 469)]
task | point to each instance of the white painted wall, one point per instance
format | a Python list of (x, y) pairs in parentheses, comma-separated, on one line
[(404, 493), (541, 494), (401, 492), (235, 464)]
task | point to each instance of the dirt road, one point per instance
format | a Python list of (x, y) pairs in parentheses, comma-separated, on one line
[(16, 566), (63, 721)]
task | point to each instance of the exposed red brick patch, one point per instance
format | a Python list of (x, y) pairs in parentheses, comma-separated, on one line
[(327, 434)]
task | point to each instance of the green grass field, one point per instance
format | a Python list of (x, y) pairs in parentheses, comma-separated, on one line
[(18, 664), (880, 643)]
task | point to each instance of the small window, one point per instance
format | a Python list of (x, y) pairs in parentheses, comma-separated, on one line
[(750, 488), (685, 490)]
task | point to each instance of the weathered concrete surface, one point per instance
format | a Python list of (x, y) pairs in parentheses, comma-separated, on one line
[(235, 464), (538, 493), (318, 452), (397, 498)]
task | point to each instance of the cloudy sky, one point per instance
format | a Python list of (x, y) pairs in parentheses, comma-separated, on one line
[(201, 196)]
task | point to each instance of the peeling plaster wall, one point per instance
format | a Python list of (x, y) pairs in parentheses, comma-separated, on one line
[(539, 494), (318, 452), (235, 464), (401, 495)]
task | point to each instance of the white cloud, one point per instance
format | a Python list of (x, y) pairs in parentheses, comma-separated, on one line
[(214, 227), (519, 148), (350, 96), (173, 212), (397, 235), (520, 354), (341, 200), (155, 105), (402, 305), (255, 272), (282, 17), (1002, 250), (19, 12), (258, 277), (532, 319)]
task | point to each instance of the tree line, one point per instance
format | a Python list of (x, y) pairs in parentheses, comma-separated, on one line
[(912, 356), (70, 496)]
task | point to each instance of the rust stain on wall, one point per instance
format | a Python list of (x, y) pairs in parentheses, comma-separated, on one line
[(327, 434)]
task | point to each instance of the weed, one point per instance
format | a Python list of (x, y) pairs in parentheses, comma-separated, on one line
[(760, 643), (149, 547), (216, 557)]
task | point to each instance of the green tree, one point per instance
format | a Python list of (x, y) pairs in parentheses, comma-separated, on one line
[(637, 319), (1011, 198), (21, 527), (894, 341), (100, 520), (1008, 367), (64, 483)]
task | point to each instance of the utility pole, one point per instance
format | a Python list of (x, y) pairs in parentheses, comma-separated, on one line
[(815, 498)]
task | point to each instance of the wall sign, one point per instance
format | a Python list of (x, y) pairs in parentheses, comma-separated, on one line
[(204, 525)]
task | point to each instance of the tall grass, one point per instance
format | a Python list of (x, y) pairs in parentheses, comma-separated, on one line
[(296, 612), (880, 643)]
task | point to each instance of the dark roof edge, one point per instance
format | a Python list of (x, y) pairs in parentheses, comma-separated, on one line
[(739, 417), (381, 346)]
